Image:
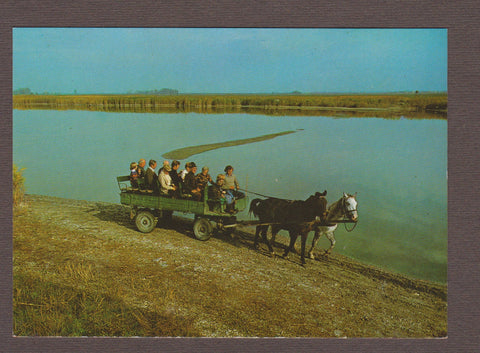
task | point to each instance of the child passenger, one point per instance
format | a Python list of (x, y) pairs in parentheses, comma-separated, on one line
[(216, 192), (133, 175)]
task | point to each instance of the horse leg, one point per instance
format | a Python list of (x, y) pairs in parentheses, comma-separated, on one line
[(257, 232), (304, 241), (274, 230), (293, 239), (316, 236), (265, 239), (330, 236)]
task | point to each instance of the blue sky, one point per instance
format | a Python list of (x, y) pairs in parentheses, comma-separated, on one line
[(214, 60)]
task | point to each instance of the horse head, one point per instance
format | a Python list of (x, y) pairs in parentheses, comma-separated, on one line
[(350, 206), (318, 205)]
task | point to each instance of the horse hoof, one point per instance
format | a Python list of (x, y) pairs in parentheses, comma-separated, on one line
[(312, 256)]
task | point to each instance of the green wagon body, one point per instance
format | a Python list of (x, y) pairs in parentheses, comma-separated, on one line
[(145, 205)]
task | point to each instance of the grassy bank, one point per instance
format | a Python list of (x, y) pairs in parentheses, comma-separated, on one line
[(81, 268), (386, 105), (186, 152)]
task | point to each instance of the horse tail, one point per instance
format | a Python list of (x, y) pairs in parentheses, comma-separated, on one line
[(254, 207)]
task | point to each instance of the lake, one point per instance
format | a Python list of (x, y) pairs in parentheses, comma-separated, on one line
[(397, 167)]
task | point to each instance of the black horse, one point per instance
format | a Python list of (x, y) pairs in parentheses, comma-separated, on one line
[(297, 217)]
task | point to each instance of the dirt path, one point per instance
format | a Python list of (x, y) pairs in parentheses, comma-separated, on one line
[(224, 287)]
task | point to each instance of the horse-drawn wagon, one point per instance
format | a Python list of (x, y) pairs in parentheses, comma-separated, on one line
[(147, 208)]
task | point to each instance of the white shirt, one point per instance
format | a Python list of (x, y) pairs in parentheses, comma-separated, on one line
[(183, 173)]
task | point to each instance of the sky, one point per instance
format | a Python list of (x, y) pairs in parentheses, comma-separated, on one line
[(240, 60)]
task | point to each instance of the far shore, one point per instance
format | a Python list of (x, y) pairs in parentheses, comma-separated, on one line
[(423, 106)]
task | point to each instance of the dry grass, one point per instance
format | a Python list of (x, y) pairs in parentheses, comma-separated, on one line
[(18, 186), (80, 268), (58, 291)]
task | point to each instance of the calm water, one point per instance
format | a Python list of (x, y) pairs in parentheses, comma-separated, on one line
[(397, 167)]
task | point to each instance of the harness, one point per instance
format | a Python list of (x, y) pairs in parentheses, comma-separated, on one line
[(346, 212)]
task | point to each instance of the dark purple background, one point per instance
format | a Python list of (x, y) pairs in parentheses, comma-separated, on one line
[(461, 18)]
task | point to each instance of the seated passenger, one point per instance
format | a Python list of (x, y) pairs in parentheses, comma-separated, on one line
[(190, 186), (203, 179), (184, 172), (165, 163), (231, 183), (141, 168), (166, 186), (133, 175), (176, 179), (151, 177), (141, 173), (216, 193)]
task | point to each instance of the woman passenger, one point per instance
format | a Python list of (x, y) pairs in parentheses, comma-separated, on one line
[(231, 183), (166, 186)]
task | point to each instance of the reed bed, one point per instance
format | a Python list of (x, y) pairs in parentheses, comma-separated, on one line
[(369, 105), (18, 186)]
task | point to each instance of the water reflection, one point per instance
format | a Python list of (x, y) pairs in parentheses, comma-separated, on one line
[(264, 110), (398, 167)]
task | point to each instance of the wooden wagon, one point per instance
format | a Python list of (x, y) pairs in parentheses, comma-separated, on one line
[(147, 208)]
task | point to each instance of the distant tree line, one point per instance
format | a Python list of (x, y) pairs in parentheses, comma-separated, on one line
[(154, 92), (161, 92), (22, 91), (28, 91)]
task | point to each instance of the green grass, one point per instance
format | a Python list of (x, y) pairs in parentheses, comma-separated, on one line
[(186, 152)]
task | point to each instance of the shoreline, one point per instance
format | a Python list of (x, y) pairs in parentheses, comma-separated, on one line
[(92, 252), (371, 268), (421, 106)]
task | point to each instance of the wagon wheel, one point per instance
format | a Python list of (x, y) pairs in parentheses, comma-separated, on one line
[(145, 221), (202, 228)]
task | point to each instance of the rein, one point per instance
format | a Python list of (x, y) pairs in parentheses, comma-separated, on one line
[(344, 207), (269, 197)]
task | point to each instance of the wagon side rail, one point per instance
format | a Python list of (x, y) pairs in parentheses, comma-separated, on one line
[(124, 183)]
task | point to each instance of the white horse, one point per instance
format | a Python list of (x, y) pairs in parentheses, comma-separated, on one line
[(344, 208)]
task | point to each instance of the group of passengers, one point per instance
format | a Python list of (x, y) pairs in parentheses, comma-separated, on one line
[(186, 183)]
